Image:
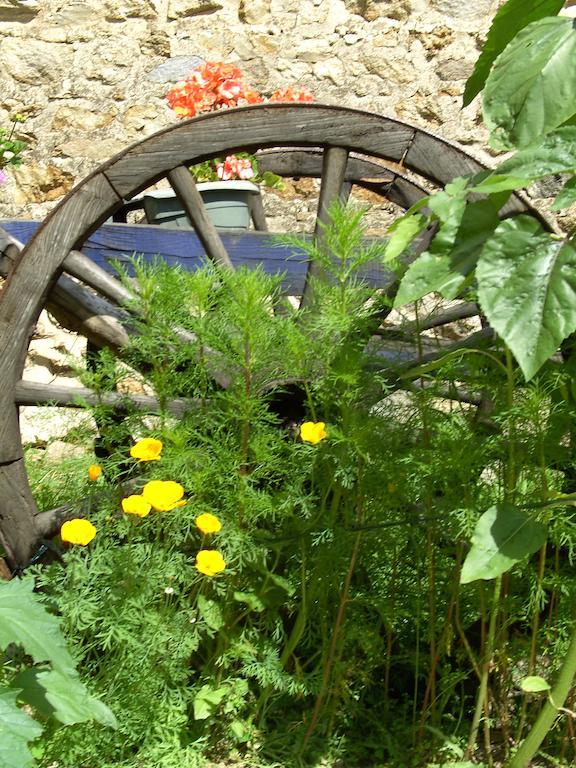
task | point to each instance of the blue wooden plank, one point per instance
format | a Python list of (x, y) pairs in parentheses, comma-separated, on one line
[(120, 242)]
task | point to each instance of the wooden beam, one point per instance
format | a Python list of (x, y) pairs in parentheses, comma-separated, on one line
[(333, 173), (257, 213), (32, 393), (183, 184), (80, 266)]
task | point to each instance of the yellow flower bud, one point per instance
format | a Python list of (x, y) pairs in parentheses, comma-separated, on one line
[(164, 495), (313, 432), (77, 531), (210, 562), (148, 449), (136, 505), (208, 523)]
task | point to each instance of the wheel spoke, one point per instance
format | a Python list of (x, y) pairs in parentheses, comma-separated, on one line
[(32, 393), (185, 187), (334, 164), (257, 213)]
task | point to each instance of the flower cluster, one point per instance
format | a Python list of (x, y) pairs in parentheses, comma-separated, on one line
[(235, 167), (166, 495), (211, 86), (214, 86)]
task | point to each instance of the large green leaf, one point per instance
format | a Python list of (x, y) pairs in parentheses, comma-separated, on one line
[(532, 88), (71, 701), (503, 536), (452, 255), (556, 153), (25, 620), (510, 19), (527, 289), (16, 730)]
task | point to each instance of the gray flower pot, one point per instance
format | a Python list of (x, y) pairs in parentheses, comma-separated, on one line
[(227, 203)]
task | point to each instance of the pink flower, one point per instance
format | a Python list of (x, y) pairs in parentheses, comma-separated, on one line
[(3, 176), (235, 168)]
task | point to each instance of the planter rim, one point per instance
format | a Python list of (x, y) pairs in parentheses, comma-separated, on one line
[(207, 186)]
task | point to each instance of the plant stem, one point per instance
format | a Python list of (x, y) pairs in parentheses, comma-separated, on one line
[(334, 642), (481, 701), (549, 711)]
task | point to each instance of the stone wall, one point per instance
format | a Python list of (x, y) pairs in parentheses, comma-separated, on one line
[(92, 74)]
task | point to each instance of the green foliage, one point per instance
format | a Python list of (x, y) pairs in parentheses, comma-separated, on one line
[(513, 16), (17, 729), (531, 89), (55, 692), (527, 290), (11, 148), (503, 536), (534, 684), (343, 559)]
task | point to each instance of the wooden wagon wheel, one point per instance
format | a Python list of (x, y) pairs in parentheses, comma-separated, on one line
[(331, 143)]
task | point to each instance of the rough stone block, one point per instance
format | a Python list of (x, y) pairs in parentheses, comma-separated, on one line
[(178, 9)]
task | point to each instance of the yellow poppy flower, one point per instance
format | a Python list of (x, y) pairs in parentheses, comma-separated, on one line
[(208, 523), (94, 471), (313, 432), (210, 562), (77, 531), (136, 505), (164, 495), (148, 449)]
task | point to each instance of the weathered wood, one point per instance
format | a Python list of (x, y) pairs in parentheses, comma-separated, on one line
[(298, 162), (185, 187), (84, 312), (257, 213), (102, 193), (32, 393), (252, 128), (436, 319), (333, 173), (80, 266), (5, 572), (30, 280), (18, 535)]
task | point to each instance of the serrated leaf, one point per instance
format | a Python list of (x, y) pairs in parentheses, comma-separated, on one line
[(566, 197), (534, 684), (532, 87), (210, 612), (510, 19), (16, 730), (25, 620), (207, 700), (403, 232), (503, 536), (452, 255), (556, 153), (500, 182), (71, 701), (527, 290)]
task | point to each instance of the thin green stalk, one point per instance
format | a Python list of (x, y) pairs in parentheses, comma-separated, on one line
[(481, 701), (549, 712), (333, 645)]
